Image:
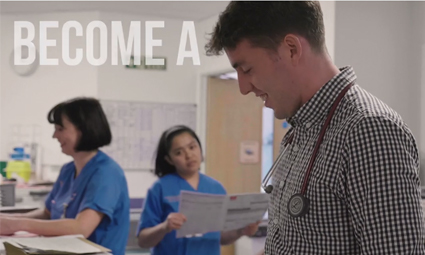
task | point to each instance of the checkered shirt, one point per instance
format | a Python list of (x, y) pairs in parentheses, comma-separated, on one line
[(364, 188)]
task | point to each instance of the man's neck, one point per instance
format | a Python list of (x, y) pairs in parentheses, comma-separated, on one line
[(319, 71)]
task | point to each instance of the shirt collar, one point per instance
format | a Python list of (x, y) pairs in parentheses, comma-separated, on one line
[(317, 108)]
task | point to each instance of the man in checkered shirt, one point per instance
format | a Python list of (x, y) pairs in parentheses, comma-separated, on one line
[(364, 187)]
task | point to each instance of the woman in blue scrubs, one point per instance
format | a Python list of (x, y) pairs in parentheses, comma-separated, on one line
[(178, 160), (90, 196)]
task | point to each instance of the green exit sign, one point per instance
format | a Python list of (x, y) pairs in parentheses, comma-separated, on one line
[(144, 66)]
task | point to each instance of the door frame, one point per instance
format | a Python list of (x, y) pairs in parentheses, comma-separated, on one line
[(201, 102)]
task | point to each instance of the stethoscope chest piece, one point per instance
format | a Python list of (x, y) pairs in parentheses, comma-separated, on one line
[(298, 205), (269, 189)]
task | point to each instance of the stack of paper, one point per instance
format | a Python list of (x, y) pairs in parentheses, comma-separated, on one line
[(52, 245)]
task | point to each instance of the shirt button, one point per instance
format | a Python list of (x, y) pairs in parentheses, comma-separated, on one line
[(275, 221), (296, 148), (281, 184), (308, 125)]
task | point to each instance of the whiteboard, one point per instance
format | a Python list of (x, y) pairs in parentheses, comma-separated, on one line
[(137, 126)]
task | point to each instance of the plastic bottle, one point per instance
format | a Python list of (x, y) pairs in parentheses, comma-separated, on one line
[(19, 165)]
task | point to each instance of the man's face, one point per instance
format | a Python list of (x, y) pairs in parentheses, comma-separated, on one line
[(269, 75)]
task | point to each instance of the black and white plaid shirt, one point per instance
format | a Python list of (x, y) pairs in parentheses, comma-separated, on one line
[(364, 188)]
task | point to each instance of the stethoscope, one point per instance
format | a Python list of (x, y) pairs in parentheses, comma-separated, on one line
[(299, 204)]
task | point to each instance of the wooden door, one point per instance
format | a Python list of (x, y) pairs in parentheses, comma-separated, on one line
[(233, 119)]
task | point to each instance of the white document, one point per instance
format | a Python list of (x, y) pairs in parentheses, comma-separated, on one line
[(244, 209), (212, 213), (62, 243), (202, 212)]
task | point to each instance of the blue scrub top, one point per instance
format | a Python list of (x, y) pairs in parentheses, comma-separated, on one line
[(101, 186), (163, 199)]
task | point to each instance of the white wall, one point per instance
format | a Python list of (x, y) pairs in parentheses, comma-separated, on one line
[(419, 54), (27, 100), (328, 9), (209, 66), (175, 85), (382, 41)]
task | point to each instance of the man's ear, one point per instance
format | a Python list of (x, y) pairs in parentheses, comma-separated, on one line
[(291, 48), (167, 158)]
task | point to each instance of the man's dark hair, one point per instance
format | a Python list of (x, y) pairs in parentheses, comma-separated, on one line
[(265, 24), (87, 115)]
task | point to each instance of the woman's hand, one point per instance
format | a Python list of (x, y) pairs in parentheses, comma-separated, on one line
[(251, 229), (150, 237), (231, 236), (174, 221), (8, 226)]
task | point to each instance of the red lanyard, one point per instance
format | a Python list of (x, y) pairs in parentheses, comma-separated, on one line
[(299, 204), (322, 134)]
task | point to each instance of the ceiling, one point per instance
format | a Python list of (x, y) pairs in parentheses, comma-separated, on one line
[(187, 10)]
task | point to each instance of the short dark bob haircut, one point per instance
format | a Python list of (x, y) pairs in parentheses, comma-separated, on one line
[(87, 115)]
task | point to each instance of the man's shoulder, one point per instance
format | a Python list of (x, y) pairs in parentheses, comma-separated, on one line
[(370, 106), (366, 108), (374, 116)]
